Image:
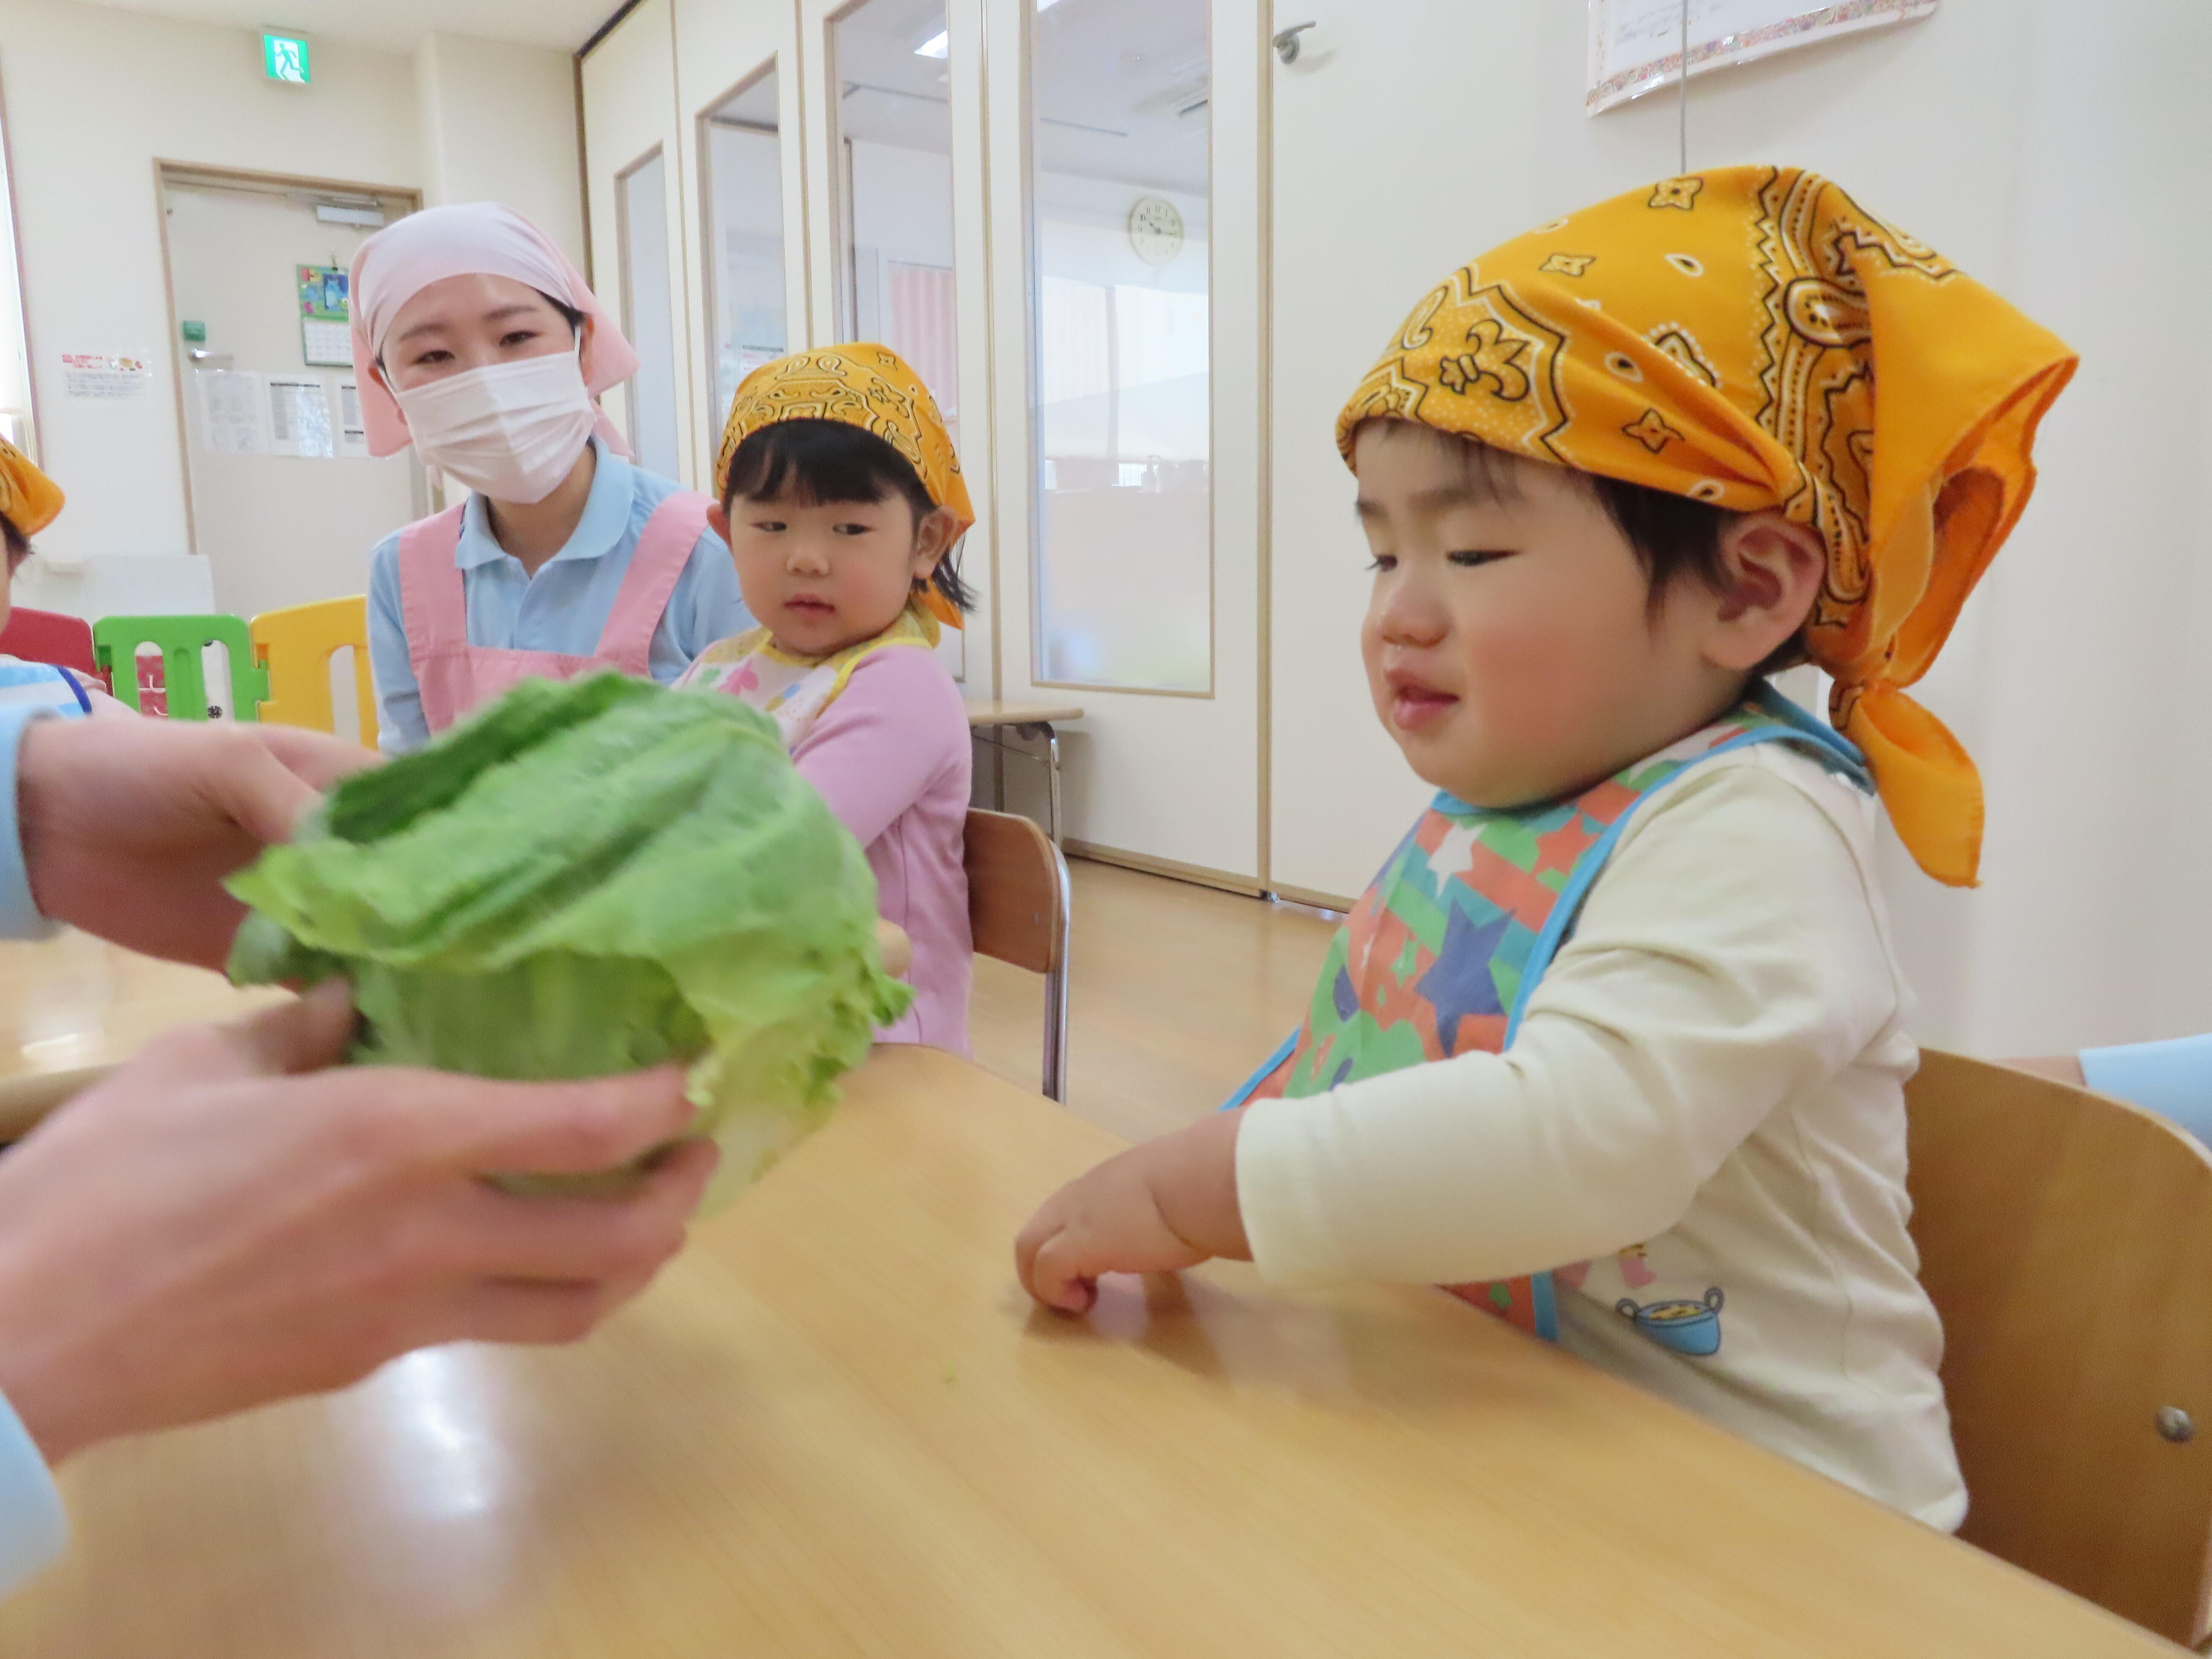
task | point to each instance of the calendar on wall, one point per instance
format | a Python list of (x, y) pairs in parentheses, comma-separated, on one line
[(325, 317), (1635, 46)]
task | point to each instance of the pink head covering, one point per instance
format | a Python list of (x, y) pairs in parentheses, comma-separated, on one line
[(469, 237)]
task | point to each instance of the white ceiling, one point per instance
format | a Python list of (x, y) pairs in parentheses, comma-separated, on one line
[(400, 25)]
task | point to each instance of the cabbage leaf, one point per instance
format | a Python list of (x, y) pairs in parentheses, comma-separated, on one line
[(588, 877)]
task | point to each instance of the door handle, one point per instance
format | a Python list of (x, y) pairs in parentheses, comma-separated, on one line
[(1287, 43)]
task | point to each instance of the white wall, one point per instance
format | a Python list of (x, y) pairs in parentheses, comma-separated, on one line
[(93, 97), (499, 125), (2054, 150)]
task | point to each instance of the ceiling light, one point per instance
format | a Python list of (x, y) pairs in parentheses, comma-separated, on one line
[(936, 46)]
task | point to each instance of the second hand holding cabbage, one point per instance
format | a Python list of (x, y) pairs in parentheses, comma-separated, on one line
[(590, 878)]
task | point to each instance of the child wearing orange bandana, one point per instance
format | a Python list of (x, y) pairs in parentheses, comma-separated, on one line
[(842, 502), (29, 502), (1614, 1047)]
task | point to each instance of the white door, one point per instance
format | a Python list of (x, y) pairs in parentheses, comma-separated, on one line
[(285, 503), (744, 243), (1125, 219), (636, 182), (896, 233)]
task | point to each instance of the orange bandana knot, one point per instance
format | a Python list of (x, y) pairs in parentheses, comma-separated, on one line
[(1716, 336), (869, 386)]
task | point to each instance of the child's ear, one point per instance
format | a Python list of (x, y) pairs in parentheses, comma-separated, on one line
[(932, 539), (718, 520), (1771, 570)]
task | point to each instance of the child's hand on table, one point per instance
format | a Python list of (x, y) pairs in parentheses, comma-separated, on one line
[(895, 948), (1160, 1206)]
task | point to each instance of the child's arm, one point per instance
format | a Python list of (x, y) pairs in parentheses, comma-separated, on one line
[(888, 735), (401, 726), (1730, 958)]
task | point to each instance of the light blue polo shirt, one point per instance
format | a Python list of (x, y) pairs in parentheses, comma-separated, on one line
[(565, 606), (32, 1528)]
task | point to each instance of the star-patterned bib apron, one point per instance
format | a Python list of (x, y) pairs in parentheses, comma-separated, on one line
[(1441, 953)]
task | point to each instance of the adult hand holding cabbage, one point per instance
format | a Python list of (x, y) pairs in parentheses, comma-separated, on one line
[(592, 877)]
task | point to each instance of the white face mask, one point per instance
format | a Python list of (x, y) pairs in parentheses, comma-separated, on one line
[(511, 431)]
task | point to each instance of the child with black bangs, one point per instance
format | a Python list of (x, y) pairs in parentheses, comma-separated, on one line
[(842, 502)]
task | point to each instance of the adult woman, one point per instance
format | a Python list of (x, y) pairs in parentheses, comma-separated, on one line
[(475, 340)]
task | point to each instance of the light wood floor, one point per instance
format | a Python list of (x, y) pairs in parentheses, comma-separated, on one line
[(1176, 993)]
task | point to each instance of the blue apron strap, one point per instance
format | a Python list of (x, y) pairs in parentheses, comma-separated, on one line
[(1831, 748), (1244, 1089)]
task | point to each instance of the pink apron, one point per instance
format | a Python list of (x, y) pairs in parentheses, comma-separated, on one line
[(455, 676)]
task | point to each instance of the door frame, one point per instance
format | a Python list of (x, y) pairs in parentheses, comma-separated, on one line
[(167, 171)]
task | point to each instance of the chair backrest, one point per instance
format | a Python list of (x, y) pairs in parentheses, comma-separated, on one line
[(295, 646), (180, 641), (1019, 912), (2065, 1239), (1014, 891), (49, 637)]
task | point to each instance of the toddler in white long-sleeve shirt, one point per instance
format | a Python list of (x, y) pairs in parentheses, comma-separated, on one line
[(1614, 1046)]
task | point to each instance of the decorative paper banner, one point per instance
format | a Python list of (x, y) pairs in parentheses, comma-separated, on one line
[(1636, 45)]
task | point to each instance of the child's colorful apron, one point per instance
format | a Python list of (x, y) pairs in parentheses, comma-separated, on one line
[(42, 685), (796, 690), (456, 676), (1440, 955)]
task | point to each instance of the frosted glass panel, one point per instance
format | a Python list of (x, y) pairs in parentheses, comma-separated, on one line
[(895, 128), (1119, 186), (649, 315), (894, 244), (745, 235)]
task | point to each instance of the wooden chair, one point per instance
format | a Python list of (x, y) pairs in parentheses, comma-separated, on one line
[(1018, 908), (2066, 1239)]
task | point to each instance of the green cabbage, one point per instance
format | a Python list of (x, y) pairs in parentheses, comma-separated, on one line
[(589, 877)]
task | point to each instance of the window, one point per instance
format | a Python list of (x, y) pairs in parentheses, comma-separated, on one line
[(15, 351), (744, 233), (649, 312), (895, 148), (1119, 184)]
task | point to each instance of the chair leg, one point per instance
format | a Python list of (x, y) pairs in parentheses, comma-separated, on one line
[(1056, 1034), (1052, 765), (1055, 988)]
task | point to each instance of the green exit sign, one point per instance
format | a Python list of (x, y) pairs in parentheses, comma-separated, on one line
[(284, 58)]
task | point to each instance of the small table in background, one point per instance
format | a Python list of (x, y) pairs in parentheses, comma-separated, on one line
[(1028, 720)]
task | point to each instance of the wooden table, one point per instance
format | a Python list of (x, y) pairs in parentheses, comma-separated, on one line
[(72, 1005), (1029, 720), (835, 1427)]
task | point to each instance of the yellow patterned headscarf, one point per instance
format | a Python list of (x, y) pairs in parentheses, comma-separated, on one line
[(1720, 336), (29, 499), (867, 386)]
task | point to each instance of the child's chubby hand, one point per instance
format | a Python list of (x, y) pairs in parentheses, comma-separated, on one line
[(895, 948), (1158, 1207)]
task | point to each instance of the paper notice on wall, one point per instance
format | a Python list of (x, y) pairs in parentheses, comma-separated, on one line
[(234, 411), (353, 432), (1636, 45), (300, 419), (108, 376)]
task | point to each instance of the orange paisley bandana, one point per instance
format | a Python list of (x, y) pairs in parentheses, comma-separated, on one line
[(29, 499), (1717, 336), (869, 386)]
